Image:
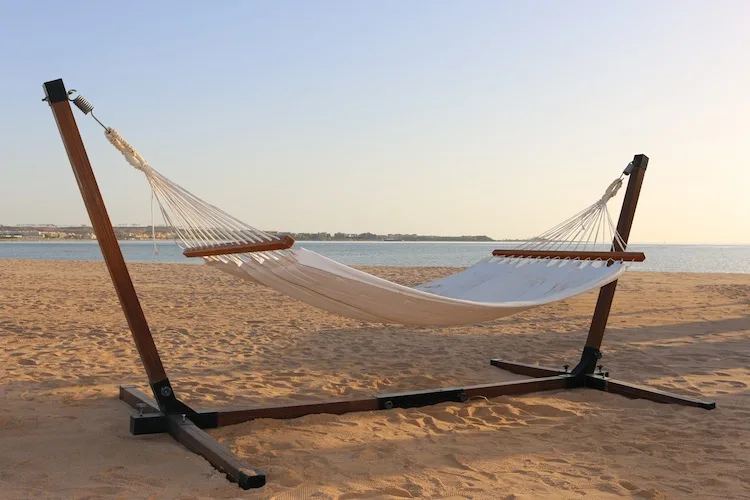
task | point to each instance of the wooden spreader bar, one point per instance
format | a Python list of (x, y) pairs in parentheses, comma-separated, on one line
[(164, 412), (234, 248), (564, 254)]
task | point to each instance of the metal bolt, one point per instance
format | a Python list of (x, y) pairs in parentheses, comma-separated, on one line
[(183, 418), (388, 405), (166, 391), (140, 407)]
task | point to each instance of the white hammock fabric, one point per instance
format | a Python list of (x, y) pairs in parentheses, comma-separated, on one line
[(492, 288)]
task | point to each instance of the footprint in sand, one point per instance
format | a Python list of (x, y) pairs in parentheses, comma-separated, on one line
[(628, 485)]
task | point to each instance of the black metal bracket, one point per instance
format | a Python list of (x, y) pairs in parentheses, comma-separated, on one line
[(166, 399), (587, 365), (54, 91), (157, 423), (147, 419), (148, 423)]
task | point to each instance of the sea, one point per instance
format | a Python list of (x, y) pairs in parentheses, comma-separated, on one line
[(659, 258)]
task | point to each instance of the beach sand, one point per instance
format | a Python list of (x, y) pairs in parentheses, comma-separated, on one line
[(66, 349)]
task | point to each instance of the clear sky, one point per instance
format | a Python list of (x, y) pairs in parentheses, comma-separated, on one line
[(431, 117)]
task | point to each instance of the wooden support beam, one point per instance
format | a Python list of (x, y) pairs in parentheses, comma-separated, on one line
[(545, 380), (136, 398), (234, 248), (519, 387), (624, 225), (178, 425), (526, 369), (186, 431), (410, 399), (296, 410), (544, 254), (197, 441), (57, 97), (634, 391)]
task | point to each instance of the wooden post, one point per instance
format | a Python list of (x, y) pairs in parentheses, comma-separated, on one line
[(624, 225), (57, 97)]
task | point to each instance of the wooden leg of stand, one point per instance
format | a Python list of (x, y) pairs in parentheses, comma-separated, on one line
[(526, 369), (134, 397), (190, 435), (57, 98), (518, 388), (642, 392), (624, 225), (197, 441)]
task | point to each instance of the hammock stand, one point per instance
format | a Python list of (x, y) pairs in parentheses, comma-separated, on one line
[(166, 413)]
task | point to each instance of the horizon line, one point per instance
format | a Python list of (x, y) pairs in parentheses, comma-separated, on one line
[(493, 239)]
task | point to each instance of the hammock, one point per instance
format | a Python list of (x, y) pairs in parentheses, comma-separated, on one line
[(499, 285)]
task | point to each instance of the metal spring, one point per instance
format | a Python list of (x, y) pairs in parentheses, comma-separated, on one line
[(82, 104), (85, 106)]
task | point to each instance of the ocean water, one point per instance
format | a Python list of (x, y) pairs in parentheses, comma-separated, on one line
[(659, 258)]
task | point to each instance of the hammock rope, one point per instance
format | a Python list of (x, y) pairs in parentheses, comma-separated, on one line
[(198, 223)]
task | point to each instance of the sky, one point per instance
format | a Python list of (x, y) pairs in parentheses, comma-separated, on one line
[(430, 117)]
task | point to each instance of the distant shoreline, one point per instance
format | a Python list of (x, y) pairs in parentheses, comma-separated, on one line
[(659, 257), (168, 241), (136, 233), (57, 234)]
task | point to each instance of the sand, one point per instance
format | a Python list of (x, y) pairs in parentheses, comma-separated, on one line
[(66, 349)]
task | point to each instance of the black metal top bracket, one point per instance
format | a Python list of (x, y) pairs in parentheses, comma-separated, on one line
[(54, 91)]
